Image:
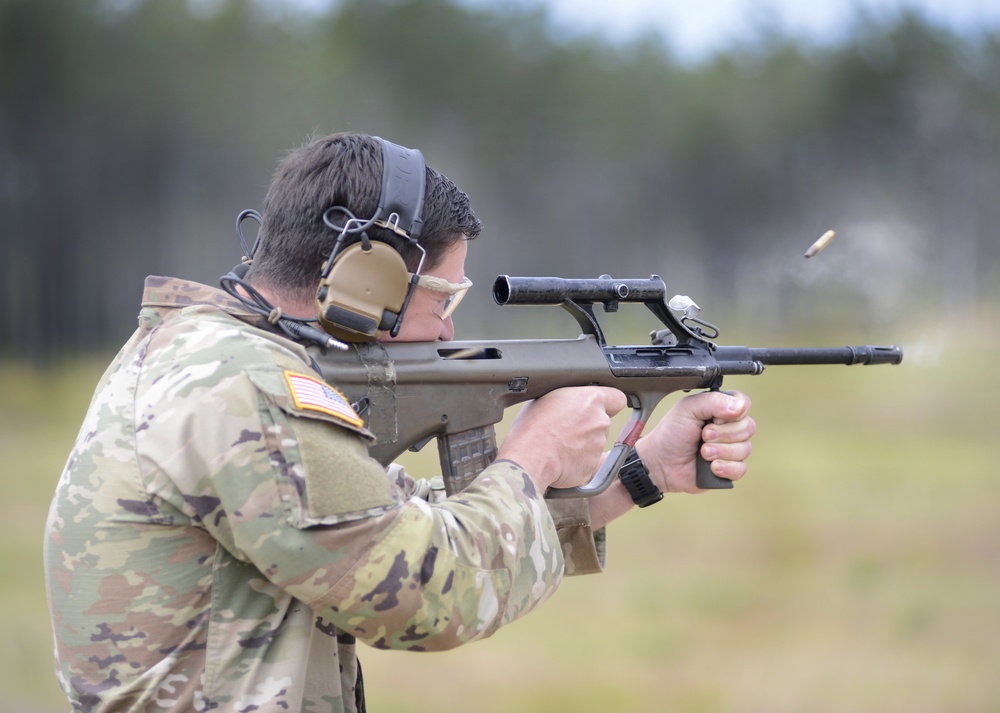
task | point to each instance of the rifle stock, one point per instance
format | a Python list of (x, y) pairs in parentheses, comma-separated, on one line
[(457, 391)]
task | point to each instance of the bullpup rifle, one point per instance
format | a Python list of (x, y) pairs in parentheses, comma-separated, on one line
[(458, 391)]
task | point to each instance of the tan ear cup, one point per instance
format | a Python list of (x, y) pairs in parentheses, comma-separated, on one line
[(363, 292)]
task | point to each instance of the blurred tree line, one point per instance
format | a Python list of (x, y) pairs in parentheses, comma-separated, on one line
[(132, 132)]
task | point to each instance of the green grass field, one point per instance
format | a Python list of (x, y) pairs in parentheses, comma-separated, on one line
[(857, 568)]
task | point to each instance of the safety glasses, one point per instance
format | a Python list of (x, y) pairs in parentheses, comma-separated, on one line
[(454, 292)]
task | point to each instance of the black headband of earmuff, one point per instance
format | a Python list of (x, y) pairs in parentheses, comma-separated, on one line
[(402, 190)]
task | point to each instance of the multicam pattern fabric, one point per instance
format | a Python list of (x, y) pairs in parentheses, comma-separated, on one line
[(214, 545)]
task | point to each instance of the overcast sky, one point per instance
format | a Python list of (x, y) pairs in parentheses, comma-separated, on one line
[(696, 27)]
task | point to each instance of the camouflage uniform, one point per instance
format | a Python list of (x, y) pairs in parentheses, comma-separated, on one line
[(214, 544)]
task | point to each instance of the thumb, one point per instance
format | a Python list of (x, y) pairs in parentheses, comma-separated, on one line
[(718, 406), (615, 401)]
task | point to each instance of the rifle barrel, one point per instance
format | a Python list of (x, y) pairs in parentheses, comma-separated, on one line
[(866, 355)]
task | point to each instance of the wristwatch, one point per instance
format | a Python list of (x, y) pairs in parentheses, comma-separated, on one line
[(635, 477)]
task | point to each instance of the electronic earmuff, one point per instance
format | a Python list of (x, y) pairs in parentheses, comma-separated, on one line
[(363, 292), (365, 286)]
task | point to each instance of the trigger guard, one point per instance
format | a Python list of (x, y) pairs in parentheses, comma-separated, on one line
[(605, 476), (601, 481)]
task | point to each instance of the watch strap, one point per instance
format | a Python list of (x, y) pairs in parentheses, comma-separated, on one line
[(635, 477)]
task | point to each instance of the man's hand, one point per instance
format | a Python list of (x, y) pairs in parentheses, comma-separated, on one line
[(719, 419), (559, 439)]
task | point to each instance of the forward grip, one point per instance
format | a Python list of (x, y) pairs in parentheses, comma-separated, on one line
[(704, 478)]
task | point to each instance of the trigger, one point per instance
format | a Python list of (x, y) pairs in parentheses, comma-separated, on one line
[(418, 446)]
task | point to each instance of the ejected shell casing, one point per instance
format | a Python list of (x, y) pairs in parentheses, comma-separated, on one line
[(818, 246)]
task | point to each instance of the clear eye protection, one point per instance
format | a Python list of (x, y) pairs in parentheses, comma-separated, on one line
[(453, 292)]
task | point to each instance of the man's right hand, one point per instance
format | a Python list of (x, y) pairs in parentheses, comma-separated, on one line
[(560, 438)]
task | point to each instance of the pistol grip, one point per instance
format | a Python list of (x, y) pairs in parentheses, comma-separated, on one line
[(615, 459)]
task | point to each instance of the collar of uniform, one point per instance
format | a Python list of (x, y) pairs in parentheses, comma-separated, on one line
[(174, 293)]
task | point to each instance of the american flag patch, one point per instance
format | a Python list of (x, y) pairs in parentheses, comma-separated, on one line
[(312, 394)]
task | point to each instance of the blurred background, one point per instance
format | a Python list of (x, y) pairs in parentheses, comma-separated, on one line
[(858, 568)]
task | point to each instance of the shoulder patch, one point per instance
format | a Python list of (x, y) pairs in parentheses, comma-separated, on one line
[(312, 394)]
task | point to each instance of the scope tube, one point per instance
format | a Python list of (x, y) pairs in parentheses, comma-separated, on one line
[(509, 290)]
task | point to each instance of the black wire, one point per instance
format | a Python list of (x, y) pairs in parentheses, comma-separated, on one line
[(298, 328), (255, 301), (244, 214)]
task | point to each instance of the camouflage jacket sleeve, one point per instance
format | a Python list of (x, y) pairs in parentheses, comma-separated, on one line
[(290, 488), (584, 549)]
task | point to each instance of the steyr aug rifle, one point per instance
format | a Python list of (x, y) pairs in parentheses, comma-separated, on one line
[(457, 391)]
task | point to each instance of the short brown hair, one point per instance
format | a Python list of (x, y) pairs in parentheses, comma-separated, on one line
[(343, 169)]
